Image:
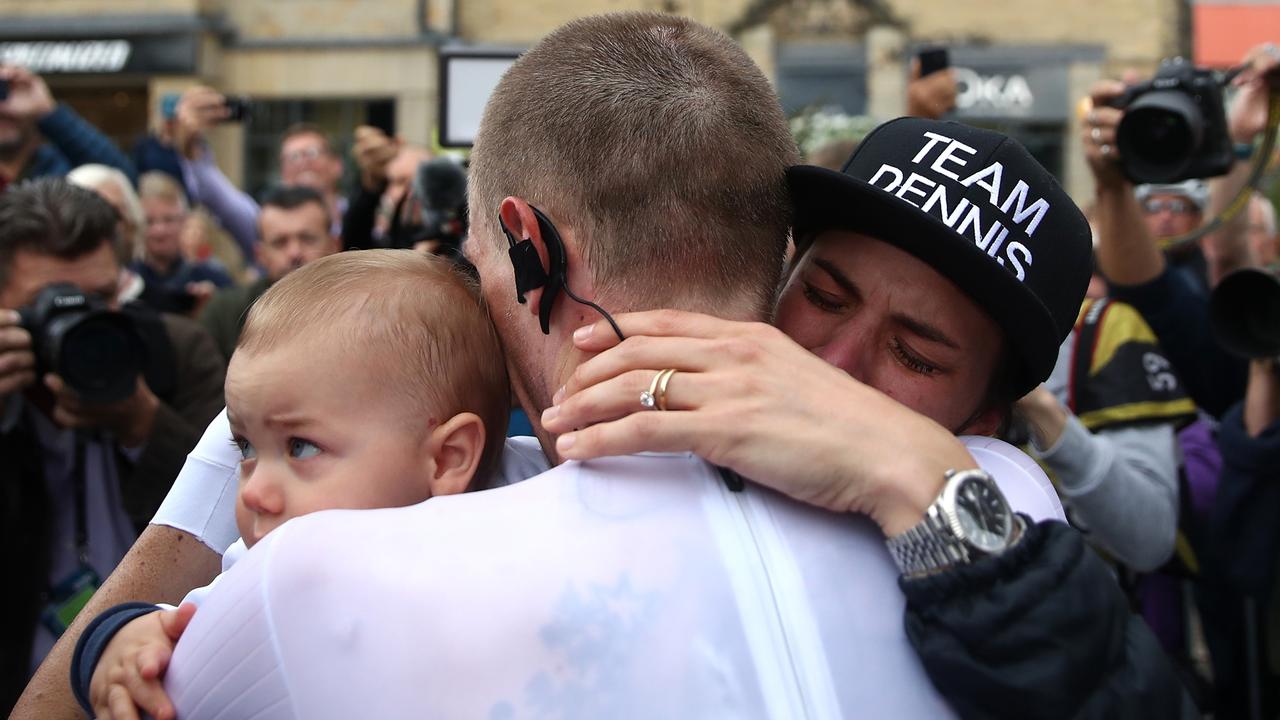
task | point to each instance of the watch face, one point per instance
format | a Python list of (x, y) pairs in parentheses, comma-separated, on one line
[(983, 515)]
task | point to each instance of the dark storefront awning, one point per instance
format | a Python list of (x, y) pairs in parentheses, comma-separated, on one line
[(150, 44)]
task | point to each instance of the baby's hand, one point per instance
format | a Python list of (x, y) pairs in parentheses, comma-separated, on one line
[(130, 672)]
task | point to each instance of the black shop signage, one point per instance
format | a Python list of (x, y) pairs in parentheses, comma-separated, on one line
[(150, 55)]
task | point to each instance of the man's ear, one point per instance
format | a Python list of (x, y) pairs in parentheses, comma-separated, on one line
[(521, 224), (454, 449)]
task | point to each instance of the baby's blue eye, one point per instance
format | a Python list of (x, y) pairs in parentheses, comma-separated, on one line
[(246, 449), (300, 449)]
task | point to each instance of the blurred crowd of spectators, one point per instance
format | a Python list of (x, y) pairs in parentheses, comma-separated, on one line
[(1163, 445)]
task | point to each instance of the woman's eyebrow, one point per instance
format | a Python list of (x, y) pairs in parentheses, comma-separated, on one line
[(915, 325), (925, 330), (838, 277)]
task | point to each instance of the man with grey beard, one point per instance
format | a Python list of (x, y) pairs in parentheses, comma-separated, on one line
[(40, 137)]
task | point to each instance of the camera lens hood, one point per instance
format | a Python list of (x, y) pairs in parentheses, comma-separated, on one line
[(1244, 311), (1159, 136), (98, 354), (96, 351)]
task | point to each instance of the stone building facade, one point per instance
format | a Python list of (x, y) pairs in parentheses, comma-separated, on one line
[(1023, 64)]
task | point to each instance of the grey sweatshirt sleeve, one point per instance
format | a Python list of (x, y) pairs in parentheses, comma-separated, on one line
[(1122, 484)]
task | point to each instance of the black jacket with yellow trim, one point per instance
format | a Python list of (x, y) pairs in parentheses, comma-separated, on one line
[(1119, 374)]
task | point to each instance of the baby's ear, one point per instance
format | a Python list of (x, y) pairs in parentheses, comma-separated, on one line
[(455, 447)]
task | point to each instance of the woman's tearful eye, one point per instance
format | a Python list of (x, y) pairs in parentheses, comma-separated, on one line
[(300, 449), (911, 360), (824, 301)]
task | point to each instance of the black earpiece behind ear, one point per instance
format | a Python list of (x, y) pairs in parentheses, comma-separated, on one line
[(530, 274), (525, 262)]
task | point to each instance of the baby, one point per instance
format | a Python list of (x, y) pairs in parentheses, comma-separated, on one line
[(363, 380)]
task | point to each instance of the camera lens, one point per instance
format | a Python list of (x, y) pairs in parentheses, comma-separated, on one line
[(99, 357), (1158, 137), (1245, 313), (1166, 135)]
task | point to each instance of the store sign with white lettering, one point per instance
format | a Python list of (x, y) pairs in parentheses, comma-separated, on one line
[(1032, 92), (1006, 93), (172, 54), (75, 56)]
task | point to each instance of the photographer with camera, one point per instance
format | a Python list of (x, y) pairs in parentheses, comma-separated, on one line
[(40, 137), (1151, 140), (1245, 313), (387, 169), (1130, 258), (99, 405)]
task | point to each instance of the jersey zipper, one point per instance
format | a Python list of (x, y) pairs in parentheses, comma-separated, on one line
[(781, 630)]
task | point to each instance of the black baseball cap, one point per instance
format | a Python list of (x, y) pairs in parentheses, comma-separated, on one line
[(975, 206)]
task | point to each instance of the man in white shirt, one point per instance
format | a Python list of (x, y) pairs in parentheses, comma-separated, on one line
[(637, 161), (639, 585)]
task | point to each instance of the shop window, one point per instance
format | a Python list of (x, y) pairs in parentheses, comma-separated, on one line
[(338, 117), (119, 111), (822, 77)]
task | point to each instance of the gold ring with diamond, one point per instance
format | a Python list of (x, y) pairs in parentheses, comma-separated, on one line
[(661, 395), (655, 396), (648, 398)]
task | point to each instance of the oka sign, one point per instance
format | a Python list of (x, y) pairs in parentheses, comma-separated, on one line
[(979, 93)]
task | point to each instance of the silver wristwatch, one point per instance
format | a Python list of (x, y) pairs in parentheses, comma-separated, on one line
[(970, 519)]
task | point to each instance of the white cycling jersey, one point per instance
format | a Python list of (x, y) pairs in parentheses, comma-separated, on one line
[(623, 587)]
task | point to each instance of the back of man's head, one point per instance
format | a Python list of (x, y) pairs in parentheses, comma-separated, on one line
[(52, 217), (659, 144)]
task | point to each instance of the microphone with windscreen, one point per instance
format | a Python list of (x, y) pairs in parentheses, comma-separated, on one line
[(441, 187)]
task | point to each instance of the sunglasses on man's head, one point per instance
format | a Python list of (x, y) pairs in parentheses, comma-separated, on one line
[(1174, 205)]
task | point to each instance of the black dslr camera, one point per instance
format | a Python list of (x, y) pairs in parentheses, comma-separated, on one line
[(1244, 312), (1174, 126), (98, 352)]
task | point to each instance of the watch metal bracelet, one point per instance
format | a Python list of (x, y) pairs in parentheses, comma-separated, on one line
[(927, 547)]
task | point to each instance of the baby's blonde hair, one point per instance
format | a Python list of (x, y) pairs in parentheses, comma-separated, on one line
[(416, 320)]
